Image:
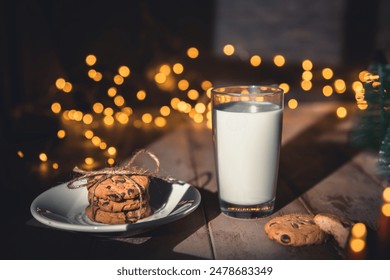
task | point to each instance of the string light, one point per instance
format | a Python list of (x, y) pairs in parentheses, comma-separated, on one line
[(327, 90), (111, 151), (165, 111), (228, 49), (160, 121), (147, 118), (340, 86), (90, 60), (285, 87), (89, 160), (183, 85), (67, 87), (193, 52), (118, 79), (279, 60), (43, 157), (341, 112), (193, 94), (87, 119), (307, 65), (205, 85), (60, 83), (55, 165), (61, 134), (292, 104), (327, 73), (255, 60), (124, 71), (56, 107), (178, 68), (20, 154), (306, 85), (98, 107), (119, 100), (141, 95)]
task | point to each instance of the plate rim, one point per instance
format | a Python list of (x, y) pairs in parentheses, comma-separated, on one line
[(106, 228)]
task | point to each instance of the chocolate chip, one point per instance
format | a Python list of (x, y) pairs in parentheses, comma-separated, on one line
[(294, 225), (130, 191), (271, 224), (284, 238), (120, 181), (312, 222), (105, 203), (108, 187)]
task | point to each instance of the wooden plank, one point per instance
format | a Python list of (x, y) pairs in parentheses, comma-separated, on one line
[(347, 192)]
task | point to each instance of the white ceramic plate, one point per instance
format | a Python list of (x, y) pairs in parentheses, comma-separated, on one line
[(64, 208)]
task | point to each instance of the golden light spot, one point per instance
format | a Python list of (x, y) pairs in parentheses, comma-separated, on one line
[(141, 95), (165, 69), (362, 105), (357, 245), (119, 100), (90, 59), (292, 104), (255, 60), (285, 87), (55, 165), (96, 141), (61, 134), (359, 230), (147, 118), (228, 50), (111, 151), (279, 60), (208, 115), (56, 107), (178, 68), (340, 86), (98, 77), (87, 119), (198, 118), (71, 114), (78, 116), (68, 87), (89, 160), (137, 123), (182, 106), (112, 91), (127, 110), (200, 108), (193, 94), (363, 75), (43, 157), (175, 102), (108, 120), (386, 209), (307, 65), (209, 124), (327, 73), (307, 75), (160, 78), (20, 154), (341, 112), (165, 111), (183, 85), (111, 161), (108, 111), (118, 79), (92, 73), (327, 90), (208, 93), (306, 85), (386, 194), (192, 53), (205, 85), (160, 121), (98, 107), (124, 71), (60, 83), (102, 145), (357, 86), (88, 134), (122, 118)]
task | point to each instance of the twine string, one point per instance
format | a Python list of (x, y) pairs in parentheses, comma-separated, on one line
[(128, 170)]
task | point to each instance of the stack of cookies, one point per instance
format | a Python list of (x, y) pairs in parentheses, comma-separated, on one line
[(118, 199)]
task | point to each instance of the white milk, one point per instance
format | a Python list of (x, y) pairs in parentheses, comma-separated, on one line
[(247, 137)]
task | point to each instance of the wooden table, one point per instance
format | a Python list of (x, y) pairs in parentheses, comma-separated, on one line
[(319, 172)]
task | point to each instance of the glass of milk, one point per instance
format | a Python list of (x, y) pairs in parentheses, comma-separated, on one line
[(247, 128)]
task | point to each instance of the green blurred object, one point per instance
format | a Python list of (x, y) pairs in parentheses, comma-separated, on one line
[(372, 125)]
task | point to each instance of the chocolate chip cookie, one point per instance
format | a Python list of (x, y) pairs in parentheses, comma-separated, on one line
[(118, 187), (95, 214), (295, 230), (338, 227), (120, 206)]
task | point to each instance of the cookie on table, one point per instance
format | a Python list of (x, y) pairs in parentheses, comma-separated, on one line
[(295, 230), (119, 187), (338, 227), (105, 217)]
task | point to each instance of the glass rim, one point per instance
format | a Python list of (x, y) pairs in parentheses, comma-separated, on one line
[(237, 90)]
